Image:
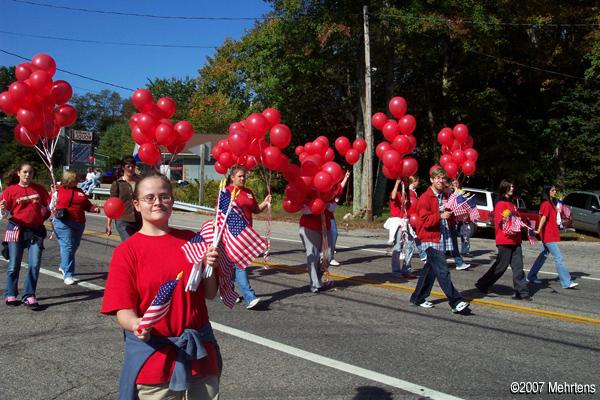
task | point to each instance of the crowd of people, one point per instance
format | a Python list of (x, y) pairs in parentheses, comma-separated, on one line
[(158, 360)]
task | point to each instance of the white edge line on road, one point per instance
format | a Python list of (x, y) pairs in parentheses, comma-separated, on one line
[(284, 348)]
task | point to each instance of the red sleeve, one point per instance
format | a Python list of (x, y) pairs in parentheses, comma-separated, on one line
[(545, 209), (121, 292), (429, 218)]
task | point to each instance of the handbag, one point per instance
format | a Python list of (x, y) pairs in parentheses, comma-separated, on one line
[(63, 213)]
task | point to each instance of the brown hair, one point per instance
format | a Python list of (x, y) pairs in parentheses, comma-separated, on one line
[(437, 172), (13, 176), (152, 175), (234, 170)]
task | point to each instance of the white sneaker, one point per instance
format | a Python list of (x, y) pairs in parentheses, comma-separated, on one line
[(463, 266), (253, 303), (334, 263), (69, 280), (572, 285), (239, 300), (460, 307), (61, 271), (426, 304)]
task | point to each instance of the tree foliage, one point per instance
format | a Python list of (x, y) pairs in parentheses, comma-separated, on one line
[(116, 142)]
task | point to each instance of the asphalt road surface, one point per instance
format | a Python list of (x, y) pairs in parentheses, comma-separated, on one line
[(361, 339)]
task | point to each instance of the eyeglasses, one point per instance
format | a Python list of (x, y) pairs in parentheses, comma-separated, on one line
[(150, 198)]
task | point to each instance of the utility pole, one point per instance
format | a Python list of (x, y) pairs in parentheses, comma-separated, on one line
[(368, 154), (201, 182)]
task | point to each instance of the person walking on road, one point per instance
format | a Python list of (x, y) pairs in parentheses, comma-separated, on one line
[(159, 362), (27, 203), (548, 231), (130, 221), (69, 227), (246, 201), (434, 233), (509, 247)]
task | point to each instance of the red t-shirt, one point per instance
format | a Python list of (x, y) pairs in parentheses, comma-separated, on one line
[(246, 201), (79, 204), (28, 206), (549, 232), (139, 266), (396, 205), (501, 237)]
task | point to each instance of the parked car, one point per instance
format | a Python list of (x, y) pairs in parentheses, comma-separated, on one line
[(585, 210)]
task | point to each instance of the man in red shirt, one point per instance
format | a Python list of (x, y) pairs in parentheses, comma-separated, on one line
[(434, 233)]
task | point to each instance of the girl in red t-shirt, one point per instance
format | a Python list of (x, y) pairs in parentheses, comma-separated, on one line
[(139, 266), (548, 232), (27, 203)]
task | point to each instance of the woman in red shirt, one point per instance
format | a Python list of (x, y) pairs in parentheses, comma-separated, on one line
[(27, 203), (162, 366), (69, 228), (548, 232)]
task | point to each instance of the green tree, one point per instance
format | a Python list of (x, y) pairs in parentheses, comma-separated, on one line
[(180, 90), (116, 142), (96, 111)]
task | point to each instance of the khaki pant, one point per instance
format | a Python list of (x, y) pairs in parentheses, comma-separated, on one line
[(205, 388)]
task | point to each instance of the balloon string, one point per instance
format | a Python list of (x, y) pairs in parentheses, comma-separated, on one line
[(267, 179)]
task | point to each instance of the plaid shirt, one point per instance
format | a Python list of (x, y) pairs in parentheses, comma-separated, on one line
[(445, 243)]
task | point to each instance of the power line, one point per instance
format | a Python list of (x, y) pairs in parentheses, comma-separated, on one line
[(107, 42), (181, 17), (72, 73)]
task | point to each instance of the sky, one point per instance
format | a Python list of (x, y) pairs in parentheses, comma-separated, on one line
[(127, 66)]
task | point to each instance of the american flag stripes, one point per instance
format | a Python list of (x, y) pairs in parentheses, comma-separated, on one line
[(195, 248), (242, 243), (160, 305), (512, 225), (463, 206), (12, 232)]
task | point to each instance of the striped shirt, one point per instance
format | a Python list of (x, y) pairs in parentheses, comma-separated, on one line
[(445, 243)]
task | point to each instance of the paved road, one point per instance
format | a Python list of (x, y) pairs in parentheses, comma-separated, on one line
[(359, 340)]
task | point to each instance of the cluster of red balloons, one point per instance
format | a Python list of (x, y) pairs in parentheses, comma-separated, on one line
[(350, 152), (246, 144), (152, 127), (38, 102), (316, 181), (400, 140), (457, 151)]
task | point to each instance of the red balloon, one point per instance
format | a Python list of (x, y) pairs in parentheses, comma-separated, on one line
[(378, 120), (451, 169), (445, 137), (402, 144), (147, 124), (414, 220), (40, 81), (359, 145), (468, 142), (299, 150), (390, 130), (283, 163), (49, 129), (61, 92), (164, 135), (389, 173), (20, 93), (250, 163), (461, 132), (176, 148), (257, 125), (413, 142), (280, 136), (445, 159), (471, 154), (6, 104), (329, 154), (391, 158), (138, 136), (149, 153), (272, 116), (23, 70), (458, 156), (215, 152), (45, 63), (333, 169), (324, 140), (239, 142), (409, 167), (271, 157), (319, 147), (310, 165), (25, 136), (65, 115), (398, 106), (142, 100), (167, 106), (29, 119), (407, 124), (114, 208), (220, 168), (382, 148), (226, 159), (290, 206), (352, 156), (317, 206), (322, 181), (236, 126), (468, 167), (184, 130), (342, 145)]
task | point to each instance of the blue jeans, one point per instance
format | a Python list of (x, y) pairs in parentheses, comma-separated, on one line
[(561, 268), (464, 231), (435, 267), (15, 251), (127, 229), (458, 260), (402, 266), (333, 235), (241, 279), (69, 235)]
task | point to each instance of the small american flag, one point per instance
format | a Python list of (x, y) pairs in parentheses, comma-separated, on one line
[(195, 248), (462, 206), (513, 224), (242, 243), (12, 232), (160, 305)]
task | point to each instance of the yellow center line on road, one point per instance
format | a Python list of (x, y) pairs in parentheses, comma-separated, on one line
[(397, 287)]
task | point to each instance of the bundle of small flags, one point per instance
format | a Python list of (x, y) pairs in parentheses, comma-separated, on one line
[(512, 224), (160, 305), (463, 206), (12, 232)]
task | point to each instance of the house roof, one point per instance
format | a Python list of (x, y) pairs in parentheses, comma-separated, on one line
[(200, 138)]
